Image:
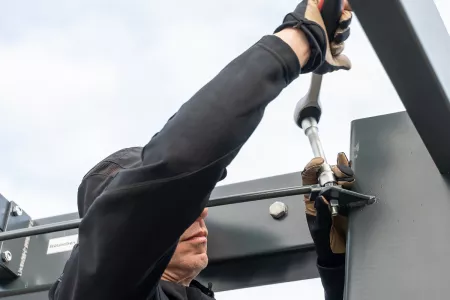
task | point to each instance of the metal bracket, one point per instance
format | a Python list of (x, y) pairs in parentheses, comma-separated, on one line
[(345, 198), (13, 253)]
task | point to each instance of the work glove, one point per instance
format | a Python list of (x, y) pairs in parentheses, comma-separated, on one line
[(324, 57), (329, 233)]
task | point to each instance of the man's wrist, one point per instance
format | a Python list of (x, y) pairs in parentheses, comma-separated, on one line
[(298, 42)]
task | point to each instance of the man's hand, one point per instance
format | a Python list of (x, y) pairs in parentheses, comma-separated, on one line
[(334, 59), (323, 57), (329, 233)]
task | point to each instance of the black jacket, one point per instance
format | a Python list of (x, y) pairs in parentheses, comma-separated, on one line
[(136, 203)]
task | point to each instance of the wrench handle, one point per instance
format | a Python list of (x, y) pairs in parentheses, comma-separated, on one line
[(331, 11)]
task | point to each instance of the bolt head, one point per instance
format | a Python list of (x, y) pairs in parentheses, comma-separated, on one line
[(6, 256), (278, 210), (17, 211)]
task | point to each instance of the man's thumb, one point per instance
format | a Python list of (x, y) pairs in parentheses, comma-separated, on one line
[(342, 62)]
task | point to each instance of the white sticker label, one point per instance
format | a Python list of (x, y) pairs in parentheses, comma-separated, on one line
[(62, 244)]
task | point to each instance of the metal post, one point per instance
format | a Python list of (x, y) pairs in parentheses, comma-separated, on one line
[(397, 248), (412, 43)]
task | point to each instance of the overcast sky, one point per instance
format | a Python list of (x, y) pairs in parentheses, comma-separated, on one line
[(82, 79)]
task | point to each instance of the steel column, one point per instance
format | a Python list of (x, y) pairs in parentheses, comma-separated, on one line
[(413, 45), (399, 247)]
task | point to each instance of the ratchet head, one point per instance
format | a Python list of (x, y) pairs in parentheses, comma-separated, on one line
[(309, 105)]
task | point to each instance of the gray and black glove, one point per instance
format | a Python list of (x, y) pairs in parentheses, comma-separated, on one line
[(324, 57)]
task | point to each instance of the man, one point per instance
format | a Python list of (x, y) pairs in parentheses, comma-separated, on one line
[(148, 204)]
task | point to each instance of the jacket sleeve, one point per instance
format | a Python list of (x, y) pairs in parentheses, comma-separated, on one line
[(128, 235), (333, 280)]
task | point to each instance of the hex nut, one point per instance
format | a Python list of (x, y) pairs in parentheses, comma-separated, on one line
[(6, 256), (17, 211), (278, 210)]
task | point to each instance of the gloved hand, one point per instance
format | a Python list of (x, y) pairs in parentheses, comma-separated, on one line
[(329, 233), (324, 57)]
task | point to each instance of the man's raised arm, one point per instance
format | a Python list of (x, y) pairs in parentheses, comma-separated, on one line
[(142, 211)]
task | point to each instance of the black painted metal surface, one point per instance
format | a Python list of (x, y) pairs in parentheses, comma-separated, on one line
[(32, 296), (398, 248), (17, 248), (5, 210), (261, 270), (412, 43), (240, 236), (40, 269), (219, 201), (247, 229)]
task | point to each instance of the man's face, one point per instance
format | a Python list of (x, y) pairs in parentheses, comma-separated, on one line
[(190, 255)]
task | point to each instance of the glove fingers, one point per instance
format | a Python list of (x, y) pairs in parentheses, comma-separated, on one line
[(346, 19), (341, 35), (309, 174), (338, 234), (341, 62), (338, 225), (342, 160), (344, 174), (309, 207), (337, 49)]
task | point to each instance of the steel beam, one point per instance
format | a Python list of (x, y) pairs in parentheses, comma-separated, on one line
[(413, 45), (399, 247), (218, 201), (55, 227), (241, 236)]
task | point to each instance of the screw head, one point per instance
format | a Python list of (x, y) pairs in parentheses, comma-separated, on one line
[(17, 211), (278, 210), (6, 256)]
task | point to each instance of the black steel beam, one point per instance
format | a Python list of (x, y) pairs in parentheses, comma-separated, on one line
[(218, 201), (241, 236), (252, 271), (413, 45)]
